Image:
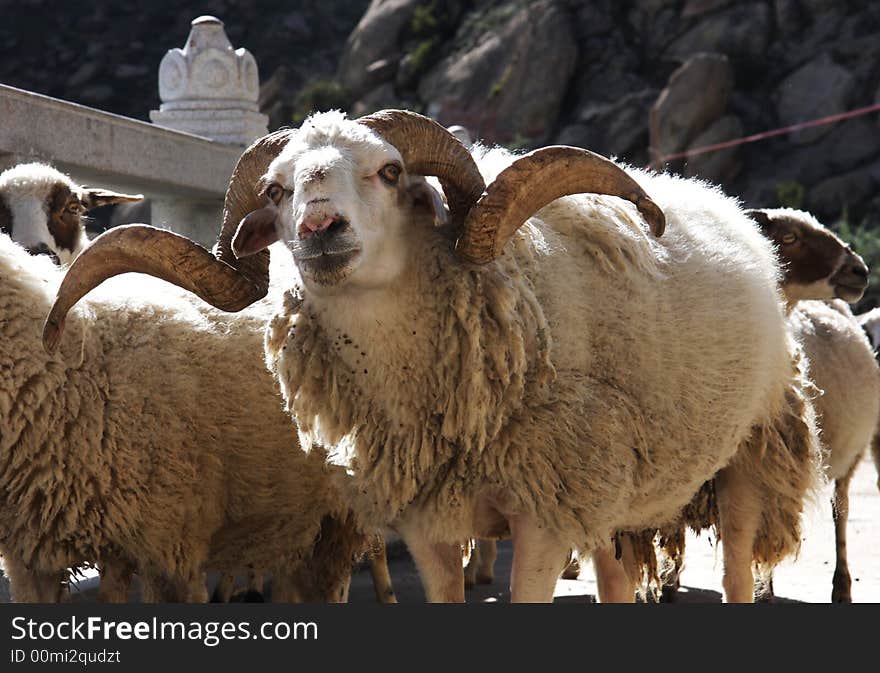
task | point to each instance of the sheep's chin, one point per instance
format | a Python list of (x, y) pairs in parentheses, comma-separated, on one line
[(328, 270), (848, 293)]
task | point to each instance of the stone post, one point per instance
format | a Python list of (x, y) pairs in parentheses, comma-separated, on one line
[(209, 89)]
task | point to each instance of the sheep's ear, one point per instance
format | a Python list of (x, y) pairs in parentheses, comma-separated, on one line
[(428, 199), (95, 198), (761, 217), (256, 231)]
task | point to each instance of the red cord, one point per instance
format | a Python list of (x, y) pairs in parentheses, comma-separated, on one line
[(830, 119)]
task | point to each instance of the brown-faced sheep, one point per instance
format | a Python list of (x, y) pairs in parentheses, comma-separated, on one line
[(818, 266), (41, 209)]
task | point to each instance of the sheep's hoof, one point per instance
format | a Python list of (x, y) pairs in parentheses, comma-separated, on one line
[(247, 596), (669, 593), (572, 571), (841, 584)]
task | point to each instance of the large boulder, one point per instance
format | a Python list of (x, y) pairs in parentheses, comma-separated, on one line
[(741, 31), (847, 145), (695, 96), (835, 195), (609, 69), (508, 86), (380, 98), (375, 39), (719, 165), (698, 7), (819, 88), (613, 129)]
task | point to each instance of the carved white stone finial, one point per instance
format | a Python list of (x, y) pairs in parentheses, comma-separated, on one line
[(210, 89)]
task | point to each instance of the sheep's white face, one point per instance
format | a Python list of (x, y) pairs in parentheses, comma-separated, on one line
[(344, 205)]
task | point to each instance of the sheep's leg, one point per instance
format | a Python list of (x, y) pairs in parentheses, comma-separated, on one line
[(156, 588), (197, 588), (439, 565), (345, 588), (486, 565), (673, 563), (875, 452), (613, 582), (841, 584), (764, 587), (481, 567), (186, 587), (115, 581), (255, 580), (28, 586), (573, 569), (51, 587), (379, 571), (284, 587), (739, 513), (224, 589), (538, 558), (470, 570), (189, 588), (150, 592)]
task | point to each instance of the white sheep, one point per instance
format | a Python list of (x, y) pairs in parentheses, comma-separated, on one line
[(820, 273), (870, 322), (128, 452), (41, 209), (523, 362), (820, 266)]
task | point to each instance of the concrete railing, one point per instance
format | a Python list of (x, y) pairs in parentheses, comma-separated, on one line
[(183, 175)]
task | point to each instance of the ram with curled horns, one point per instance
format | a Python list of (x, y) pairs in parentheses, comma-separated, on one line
[(531, 360)]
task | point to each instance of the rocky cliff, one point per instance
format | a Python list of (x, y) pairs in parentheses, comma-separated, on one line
[(645, 80), (641, 80), (624, 78)]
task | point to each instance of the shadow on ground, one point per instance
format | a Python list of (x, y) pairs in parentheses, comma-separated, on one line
[(583, 590)]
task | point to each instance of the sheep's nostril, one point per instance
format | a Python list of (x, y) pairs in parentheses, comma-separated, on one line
[(313, 225), (318, 226), (859, 270), (336, 225)]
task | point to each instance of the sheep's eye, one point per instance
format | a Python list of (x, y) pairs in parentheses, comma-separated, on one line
[(75, 208), (275, 192), (789, 238), (390, 173)]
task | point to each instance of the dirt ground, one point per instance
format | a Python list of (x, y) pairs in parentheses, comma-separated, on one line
[(804, 579)]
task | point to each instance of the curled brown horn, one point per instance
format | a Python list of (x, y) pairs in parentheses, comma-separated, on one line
[(223, 281), (533, 181), (428, 148)]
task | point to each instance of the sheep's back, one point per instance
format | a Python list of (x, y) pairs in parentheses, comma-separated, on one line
[(153, 429), (671, 349), (842, 366)]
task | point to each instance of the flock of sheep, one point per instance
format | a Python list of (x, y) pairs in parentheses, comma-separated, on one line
[(457, 344)]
